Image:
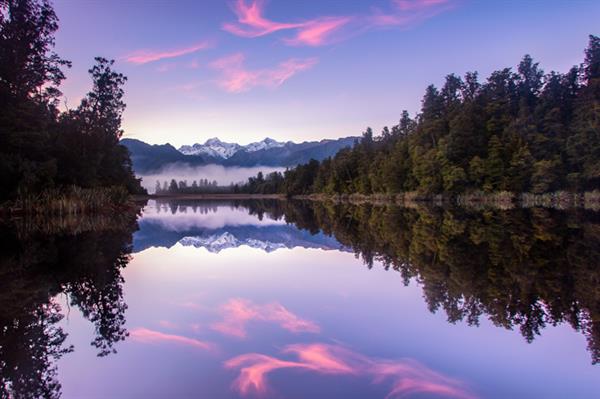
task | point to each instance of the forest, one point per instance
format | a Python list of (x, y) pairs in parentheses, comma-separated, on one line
[(522, 269), (200, 186), (46, 152), (77, 257), (519, 131)]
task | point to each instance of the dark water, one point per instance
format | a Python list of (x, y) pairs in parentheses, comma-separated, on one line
[(302, 300)]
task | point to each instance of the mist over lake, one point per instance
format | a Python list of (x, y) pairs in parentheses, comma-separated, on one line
[(224, 175), (255, 199)]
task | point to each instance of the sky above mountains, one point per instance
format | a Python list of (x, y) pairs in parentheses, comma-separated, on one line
[(302, 70)]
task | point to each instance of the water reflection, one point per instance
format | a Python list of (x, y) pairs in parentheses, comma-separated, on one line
[(405, 376), (265, 299), (237, 312), (79, 258), (218, 226), (524, 268)]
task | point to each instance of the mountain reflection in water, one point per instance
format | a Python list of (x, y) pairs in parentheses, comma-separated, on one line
[(257, 298)]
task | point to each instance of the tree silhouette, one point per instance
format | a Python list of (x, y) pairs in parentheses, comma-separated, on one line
[(82, 261), (521, 268)]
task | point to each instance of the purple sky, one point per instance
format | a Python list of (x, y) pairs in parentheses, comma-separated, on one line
[(302, 70)]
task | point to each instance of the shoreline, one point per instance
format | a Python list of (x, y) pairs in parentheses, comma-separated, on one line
[(208, 196), (501, 200)]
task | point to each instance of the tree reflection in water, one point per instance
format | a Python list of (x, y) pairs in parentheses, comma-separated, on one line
[(40, 259), (520, 268)]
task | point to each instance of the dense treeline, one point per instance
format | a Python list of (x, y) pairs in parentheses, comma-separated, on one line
[(80, 257), (201, 186), (519, 131), (523, 269), (42, 148)]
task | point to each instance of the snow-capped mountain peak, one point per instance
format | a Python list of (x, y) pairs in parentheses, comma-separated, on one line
[(216, 148), (217, 242), (263, 145), (212, 147)]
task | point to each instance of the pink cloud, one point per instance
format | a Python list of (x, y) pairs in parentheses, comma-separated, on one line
[(318, 32), (406, 376), (408, 12), (150, 336), (328, 359), (410, 377), (235, 78), (409, 5), (238, 312), (254, 368), (146, 56), (324, 30), (251, 22)]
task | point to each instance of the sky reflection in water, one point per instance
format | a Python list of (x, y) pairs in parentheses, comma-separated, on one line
[(306, 319)]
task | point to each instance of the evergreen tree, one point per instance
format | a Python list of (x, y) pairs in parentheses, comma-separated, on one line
[(494, 166), (173, 187), (583, 145), (41, 148), (518, 131)]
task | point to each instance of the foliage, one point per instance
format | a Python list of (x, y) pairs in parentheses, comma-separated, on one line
[(42, 148), (201, 186), (41, 258), (521, 131), (523, 269), (72, 201)]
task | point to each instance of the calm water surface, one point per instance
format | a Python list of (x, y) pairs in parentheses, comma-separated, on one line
[(285, 300)]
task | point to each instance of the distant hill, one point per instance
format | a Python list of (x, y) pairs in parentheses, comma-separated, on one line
[(148, 158)]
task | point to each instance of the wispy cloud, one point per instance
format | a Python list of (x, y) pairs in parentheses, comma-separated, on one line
[(238, 312), (404, 376), (251, 22), (150, 336), (145, 56), (406, 13), (236, 78), (323, 30), (318, 32)]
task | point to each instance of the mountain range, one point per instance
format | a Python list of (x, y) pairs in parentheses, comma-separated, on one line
[(266, 238), (148, 158)]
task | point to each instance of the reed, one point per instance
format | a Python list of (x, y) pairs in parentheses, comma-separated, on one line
[(71, 200), (72, 224)]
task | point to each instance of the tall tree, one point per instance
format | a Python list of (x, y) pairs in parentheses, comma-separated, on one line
[(583, 145)]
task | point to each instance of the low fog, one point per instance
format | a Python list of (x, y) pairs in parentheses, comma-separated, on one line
[(222, 174), (224, 216)]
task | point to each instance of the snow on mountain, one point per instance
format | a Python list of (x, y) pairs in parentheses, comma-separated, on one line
[(218, 242), (219, 149), (212, 147), (263, 145)]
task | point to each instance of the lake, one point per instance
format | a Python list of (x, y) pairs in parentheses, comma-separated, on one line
[(285, 299)]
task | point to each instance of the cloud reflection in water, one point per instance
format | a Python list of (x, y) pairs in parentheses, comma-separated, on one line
[(237, 312), (151, 336), (407, 376)]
